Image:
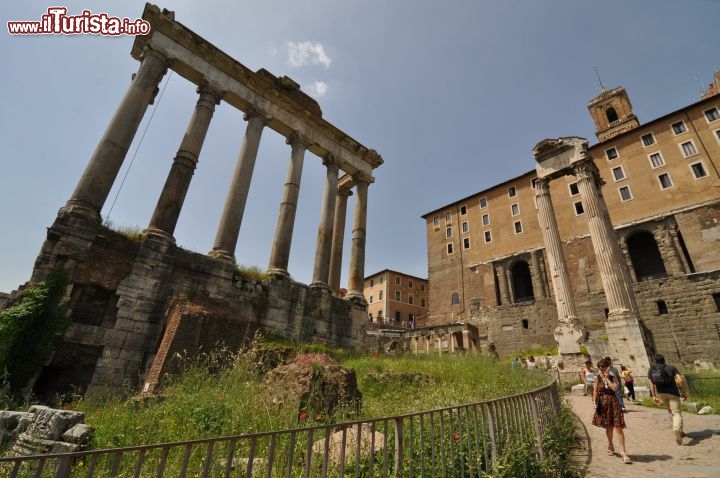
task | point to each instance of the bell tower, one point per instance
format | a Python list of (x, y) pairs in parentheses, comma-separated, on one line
[(612, 113)]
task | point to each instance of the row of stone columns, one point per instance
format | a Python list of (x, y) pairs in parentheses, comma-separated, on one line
[(97, 180)]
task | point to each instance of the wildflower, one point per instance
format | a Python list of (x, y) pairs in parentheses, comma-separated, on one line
[(456, 437), (302, 416)]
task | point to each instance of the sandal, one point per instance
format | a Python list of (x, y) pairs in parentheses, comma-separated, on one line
[(626, 459), (610, 451)]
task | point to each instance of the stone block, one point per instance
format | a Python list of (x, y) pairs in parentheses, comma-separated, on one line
[(641, 392), (578, 389)]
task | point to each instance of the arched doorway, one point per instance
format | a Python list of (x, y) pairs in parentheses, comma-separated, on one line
[(522, 282), (645, 256)]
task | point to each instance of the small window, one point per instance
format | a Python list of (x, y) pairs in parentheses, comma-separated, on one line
[(422, 286), (574, 191), (371, 299), (579, 209), (398, 317), (488, 236), (647, 139), (449, 248), (612, 153), (712, 114), (422, 302), (410, 284), (380, 297), (397, 280), (448, 232), (717, 135), (483, 202), (372, 282), (465, 227), (515, 209), (656, 160), (618, 173), (662, 307), (382, 279), (455, 298), (410, 300), (397, 295), (533, 182), (625, 194), (688, 149), (678, 127), (665, 181), (436, 221), (463, 210), (512, 192), (518, 227), (698, 170), (525, 324), (466, 243), (486, 219), (448, 216)]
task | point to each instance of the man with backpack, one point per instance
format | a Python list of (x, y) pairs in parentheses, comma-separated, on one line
[(664, 388)]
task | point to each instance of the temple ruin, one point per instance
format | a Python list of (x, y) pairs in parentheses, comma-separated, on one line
[(137, 302)]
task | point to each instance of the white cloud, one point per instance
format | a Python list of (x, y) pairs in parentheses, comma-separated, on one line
[(303, 53), (317, 88)]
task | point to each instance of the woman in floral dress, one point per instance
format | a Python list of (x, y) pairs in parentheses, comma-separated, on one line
[(608, 413)]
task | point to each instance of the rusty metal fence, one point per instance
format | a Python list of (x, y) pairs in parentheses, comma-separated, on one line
[(459, 441)]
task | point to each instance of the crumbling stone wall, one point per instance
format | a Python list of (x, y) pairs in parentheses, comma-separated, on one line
[(121, 292)]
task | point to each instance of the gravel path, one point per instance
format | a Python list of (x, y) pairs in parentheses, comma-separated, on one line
[(650, 443)]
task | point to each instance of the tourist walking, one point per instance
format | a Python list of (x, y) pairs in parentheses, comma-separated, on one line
[(620, 391), (667, 385), (587, 378), (629, 380), (608, 414)]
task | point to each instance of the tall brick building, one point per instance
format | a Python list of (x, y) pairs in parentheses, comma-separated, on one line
[(488, 264)]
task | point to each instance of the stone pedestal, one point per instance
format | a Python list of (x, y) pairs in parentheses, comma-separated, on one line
[(626, 341), (569, 337)]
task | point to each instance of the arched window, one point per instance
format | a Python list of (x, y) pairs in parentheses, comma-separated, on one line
[(522, 282), (645, 256), (611, 114), (455, 298)]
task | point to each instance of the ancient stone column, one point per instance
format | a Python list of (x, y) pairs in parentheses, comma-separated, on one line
[(172, 197), (568, 334), (610, 259), (671, 252), (537, 272), (509, 285), (229, 227), (503, 285), (94, 185), (625, 336), (280, 254), (323, 247), (338, 238), (357, 255)]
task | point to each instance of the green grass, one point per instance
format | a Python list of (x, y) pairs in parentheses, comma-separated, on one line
[(230, 400)]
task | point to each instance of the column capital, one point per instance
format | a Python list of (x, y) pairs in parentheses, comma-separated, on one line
[(296, 138), (149, 53), (363, 178), (252, 113), (329, 160), (542, 186), (586, 170), (206, 90), (343, 191)]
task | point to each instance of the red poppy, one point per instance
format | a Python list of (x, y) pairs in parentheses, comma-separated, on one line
[(302, 416), (456, 436)]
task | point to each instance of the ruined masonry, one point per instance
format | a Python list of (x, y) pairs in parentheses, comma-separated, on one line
[(136, 303)]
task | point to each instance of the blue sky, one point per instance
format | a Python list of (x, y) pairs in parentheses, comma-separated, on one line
[(453, 95)]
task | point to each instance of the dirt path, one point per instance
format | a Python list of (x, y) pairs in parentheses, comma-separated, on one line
[(651, 444)]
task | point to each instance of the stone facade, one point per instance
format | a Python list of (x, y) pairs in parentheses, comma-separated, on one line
[(658, 182)]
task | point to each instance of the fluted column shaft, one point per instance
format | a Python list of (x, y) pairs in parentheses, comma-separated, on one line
[(229, 226), (610, 259), (323, 248), (357, 255), (553, 247), (172, 197), (96, 181), (338, 238), (537, 275), (280, 254)]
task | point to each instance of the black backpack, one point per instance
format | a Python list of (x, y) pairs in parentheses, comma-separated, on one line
[(660, 376)]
